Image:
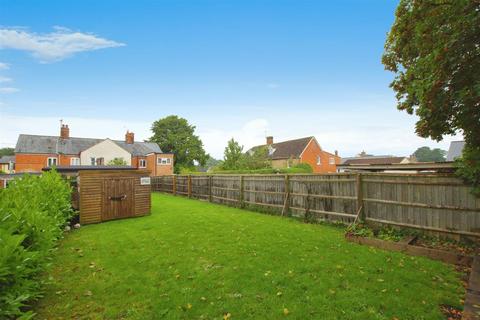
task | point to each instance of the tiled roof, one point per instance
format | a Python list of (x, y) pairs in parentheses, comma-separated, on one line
[(373, 160), (455, 150), (287, 149), (53, 144)]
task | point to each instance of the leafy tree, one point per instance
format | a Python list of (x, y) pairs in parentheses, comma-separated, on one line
[(433, 48), (258, 159), (176, 135), (7, 152), (117, 162), (425, 154), (233, 156)]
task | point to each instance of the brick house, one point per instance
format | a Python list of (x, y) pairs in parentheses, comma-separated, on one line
[(286, 154), (34, 152)]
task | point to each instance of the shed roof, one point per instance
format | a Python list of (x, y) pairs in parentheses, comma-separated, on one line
[(27, 143), (7, 159), (373, 160)]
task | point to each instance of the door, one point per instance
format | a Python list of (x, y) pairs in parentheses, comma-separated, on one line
[(118, 201)]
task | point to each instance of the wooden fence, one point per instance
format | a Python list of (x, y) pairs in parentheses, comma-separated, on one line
[(436, 203)]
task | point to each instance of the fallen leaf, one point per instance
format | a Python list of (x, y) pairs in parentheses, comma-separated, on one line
[(285, 311)]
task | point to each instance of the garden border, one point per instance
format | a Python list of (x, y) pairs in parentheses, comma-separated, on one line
[(408, 248)]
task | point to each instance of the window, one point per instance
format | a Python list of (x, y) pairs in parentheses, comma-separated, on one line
[(96, 161), (319, 161), (51, 162), (142, 163), (74, 161), (331, 160), (164, 161)]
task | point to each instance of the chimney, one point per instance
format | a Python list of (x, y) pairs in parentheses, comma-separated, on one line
[(269, 140), (129, 137), (64, 131), (336, 153)]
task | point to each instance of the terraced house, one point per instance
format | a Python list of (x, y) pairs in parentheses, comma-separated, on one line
[(35, 152)]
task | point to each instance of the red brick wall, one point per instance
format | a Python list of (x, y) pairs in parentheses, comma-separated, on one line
[(25, 162), (310, 156), (156, 169), (136, 161)]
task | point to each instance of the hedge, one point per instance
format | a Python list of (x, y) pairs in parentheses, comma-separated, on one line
[(299, 168), (33, 213)]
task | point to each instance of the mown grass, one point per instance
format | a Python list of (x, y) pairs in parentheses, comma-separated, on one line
[(196, 260)]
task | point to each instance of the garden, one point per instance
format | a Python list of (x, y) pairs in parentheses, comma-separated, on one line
[(196, 260)]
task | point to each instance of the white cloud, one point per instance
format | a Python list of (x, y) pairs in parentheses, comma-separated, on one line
[(12, 125), (4, 66), (54, 46), (6, 90), (5, 79), (389, 132), (247, 134)]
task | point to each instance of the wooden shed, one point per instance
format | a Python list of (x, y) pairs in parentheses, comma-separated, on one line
[(109, 193)]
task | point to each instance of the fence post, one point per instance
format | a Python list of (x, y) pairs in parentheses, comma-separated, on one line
[(189, 186), (174, 185), (286, 205), (210, 188), (242, 204), (359, 189)]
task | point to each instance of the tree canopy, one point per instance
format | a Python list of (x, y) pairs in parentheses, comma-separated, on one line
[(425, 154), (433, 48), (7, 152), (233, 158), (174, 134)]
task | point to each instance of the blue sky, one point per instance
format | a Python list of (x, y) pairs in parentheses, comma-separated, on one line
[(238, 69)]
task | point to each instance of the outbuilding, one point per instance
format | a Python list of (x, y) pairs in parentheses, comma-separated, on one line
[(103, 193)]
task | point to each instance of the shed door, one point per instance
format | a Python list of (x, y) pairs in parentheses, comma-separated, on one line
[(118, 201)]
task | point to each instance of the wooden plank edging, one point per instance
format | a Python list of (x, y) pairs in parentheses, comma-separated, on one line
[(435, 254), (471, 307)]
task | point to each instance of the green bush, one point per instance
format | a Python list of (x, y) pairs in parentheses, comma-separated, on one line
[(299, 168), (468, 168), (33, 212)]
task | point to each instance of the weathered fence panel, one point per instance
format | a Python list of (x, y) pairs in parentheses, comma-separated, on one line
[(438, 203)]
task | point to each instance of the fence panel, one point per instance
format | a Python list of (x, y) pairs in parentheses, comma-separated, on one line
[(226, 189), (429, 202), (438, 203)]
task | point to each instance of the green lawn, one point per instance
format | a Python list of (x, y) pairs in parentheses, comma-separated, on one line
[(195, 260)]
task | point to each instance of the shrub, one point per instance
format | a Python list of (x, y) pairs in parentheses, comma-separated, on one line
[(468, 168), (299, 168), (33, 212)]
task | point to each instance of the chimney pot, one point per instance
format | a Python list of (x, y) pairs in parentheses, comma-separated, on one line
[(336, 153), (64, 132), (269, 140), (129, 137)]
